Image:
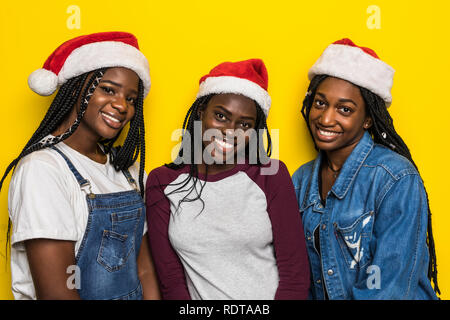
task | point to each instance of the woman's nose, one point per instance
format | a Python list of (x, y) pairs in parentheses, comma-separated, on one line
[(120, 104), (327, 118)]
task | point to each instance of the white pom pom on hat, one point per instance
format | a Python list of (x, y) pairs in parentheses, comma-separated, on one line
[(43, 82), (87, 53)]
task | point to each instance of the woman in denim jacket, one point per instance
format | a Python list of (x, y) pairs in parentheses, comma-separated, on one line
[(365, 210)]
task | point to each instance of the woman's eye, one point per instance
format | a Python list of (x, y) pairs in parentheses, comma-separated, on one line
[(319, 103), (108, 90), (132, 101), (220, 116), (346, 110), (246, 125)]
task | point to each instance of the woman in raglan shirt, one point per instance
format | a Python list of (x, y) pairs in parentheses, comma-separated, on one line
[(75, 201), (224, 225), (363, 203)]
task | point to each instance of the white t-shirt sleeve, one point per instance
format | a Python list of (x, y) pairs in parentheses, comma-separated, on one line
[(40, 203)]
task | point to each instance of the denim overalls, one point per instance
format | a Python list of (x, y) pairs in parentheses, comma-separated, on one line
[(107, 257)]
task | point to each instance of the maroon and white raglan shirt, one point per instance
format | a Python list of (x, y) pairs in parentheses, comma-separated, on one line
[(243, 240)]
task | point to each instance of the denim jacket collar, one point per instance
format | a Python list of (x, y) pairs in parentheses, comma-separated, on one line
[(348, 172)]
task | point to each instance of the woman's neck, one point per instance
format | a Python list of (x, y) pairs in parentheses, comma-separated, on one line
[(85, 144), (336, 158)]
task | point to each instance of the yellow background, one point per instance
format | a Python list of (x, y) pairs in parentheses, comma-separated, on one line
[(184, 39)]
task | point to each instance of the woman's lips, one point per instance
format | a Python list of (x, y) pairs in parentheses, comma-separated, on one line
[(224, 146), (111, 121), (327, 135)]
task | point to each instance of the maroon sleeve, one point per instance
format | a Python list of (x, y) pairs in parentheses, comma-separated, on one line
[(288, 236), (168, 266)]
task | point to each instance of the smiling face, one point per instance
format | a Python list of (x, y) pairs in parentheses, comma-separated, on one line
[(112, 104), (338, 118), (228, 113)]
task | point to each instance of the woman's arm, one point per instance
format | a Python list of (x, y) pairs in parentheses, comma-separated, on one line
[(49, 261), (147, 273), (400, 228), (167, 264)]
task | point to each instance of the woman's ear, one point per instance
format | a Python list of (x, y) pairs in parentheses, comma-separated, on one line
[(201, 111), (367, 123)]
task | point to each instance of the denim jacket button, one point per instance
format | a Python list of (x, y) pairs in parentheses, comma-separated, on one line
[(318, 281), (330, 272), (324, 226)]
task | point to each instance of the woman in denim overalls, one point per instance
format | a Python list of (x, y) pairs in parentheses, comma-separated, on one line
[(364, 207), (77, 212)]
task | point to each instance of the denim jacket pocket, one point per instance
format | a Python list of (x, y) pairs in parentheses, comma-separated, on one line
[(119, 242), (354, 240)]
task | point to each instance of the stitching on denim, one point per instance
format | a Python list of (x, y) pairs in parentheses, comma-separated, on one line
[(86, 232), (352, 176), (103, 261), (138, 289), (332, 290), (415, 255)]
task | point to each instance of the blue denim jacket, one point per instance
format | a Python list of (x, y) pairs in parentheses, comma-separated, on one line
[(372, 230)]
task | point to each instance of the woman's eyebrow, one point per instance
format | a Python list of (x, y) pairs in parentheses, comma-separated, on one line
[(223, 109), (112, 82), (117, 84), (342, 100), (348, 100), (228, 113), (321, 94)]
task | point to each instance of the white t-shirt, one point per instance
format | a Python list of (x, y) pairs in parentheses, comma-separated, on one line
[(45, 201)]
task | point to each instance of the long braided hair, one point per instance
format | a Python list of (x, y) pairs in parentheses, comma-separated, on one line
[(383, 132), (188, 127), (60, 108)]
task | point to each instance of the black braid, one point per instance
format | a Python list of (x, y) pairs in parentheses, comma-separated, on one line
[(188, 126), (384, 133), (134, 142)]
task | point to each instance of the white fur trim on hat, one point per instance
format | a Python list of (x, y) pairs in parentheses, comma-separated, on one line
[(102, 55), (229, 84), (43, 82), (356, 66)]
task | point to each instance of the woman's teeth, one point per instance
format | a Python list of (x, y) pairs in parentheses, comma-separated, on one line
[(329, 133), (110, 117), (223, 144)]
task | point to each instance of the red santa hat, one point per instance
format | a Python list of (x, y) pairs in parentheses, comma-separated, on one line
[(87, 53), (345, 60), (248, 78)]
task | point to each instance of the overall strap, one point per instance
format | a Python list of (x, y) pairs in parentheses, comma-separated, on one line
[(81, 181)]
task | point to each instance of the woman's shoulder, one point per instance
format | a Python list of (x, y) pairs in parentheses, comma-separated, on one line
[(304, 169), (271, 175), (44, 159), (165, 174), (39, 172), (272, 169), (390, 161)]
